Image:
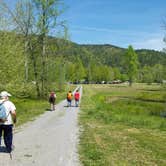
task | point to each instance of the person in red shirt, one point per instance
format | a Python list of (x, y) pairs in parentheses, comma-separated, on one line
[(77, 98)]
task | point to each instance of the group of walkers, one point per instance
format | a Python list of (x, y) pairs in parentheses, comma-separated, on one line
[(69, 98), (8, 115)]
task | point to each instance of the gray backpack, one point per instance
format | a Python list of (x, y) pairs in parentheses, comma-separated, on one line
[(3, 115)]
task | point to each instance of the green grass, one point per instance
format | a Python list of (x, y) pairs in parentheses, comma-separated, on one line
[(123, 125), (28, 109)]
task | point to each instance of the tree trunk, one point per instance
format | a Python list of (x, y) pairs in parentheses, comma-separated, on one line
[(43, 54), (44, 71), (35, 72), (26, 59), (130, 82)]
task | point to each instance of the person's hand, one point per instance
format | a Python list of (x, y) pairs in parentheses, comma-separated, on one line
[(15, 120)]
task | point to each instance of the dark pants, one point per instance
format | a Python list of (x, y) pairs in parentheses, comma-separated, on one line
[(76, 102), (8, 136), (69, 102)]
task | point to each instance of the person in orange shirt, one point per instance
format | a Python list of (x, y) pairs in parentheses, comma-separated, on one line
[(69, 98)]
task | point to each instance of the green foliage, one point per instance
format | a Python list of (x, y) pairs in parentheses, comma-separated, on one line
[(115, 57), (146, 75), (35, 47), (11, 70), (117, 74), (131, 64), (150, 74), (151, 57), (66, 62)]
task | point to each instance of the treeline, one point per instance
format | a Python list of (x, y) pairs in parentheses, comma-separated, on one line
[(151, 63), (70, 62)]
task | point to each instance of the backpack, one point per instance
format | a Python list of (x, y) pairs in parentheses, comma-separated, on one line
[(69, 96), (3, 115), (52, 97)]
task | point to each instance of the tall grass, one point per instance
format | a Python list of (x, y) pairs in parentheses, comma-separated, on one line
[(123, 126)]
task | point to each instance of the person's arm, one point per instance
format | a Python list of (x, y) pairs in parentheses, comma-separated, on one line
[(13, 112), (14, 117)]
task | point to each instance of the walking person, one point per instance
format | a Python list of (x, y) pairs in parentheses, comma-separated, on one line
[(7, 119), (77, 97), (69, 98), (52, 99)]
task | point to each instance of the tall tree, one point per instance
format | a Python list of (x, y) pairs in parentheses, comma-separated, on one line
[(47, 13), (24, 21), (79, 71), (131, 64), (21, 20), (35, 20)]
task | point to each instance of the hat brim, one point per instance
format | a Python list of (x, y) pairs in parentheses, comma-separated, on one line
[(6, 94)]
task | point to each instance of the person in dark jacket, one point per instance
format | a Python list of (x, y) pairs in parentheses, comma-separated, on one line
[(52, 99)]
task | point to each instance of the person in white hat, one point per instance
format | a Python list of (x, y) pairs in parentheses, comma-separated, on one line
[(7, 126)]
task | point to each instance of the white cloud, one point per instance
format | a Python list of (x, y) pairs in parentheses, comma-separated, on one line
[(86, 28), (152, 43), (121, 37)]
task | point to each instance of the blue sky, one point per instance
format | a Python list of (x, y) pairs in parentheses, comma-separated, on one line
[(117, 22)]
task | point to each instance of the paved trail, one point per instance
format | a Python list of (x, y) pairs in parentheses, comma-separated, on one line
[(50, 140)]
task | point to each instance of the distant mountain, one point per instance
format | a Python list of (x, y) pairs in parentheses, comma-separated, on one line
[(106, 54)]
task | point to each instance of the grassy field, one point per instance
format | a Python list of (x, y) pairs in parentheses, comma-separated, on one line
[(123, 126)]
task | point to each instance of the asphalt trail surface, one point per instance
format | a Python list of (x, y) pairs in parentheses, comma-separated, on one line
[(50, 140)]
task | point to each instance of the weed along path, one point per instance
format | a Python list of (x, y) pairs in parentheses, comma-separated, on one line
[(50, 140)]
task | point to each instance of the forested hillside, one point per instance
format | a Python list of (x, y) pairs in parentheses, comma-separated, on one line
[(113, 55)]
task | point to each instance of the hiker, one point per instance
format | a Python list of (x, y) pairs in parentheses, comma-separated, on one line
[(69, 98), (76, 97), (7, 121), (52, 99)]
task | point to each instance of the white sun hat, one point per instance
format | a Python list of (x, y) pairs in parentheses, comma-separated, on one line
[(4, 94)]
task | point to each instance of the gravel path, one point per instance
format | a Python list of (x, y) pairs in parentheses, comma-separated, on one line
[(50, 140)]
